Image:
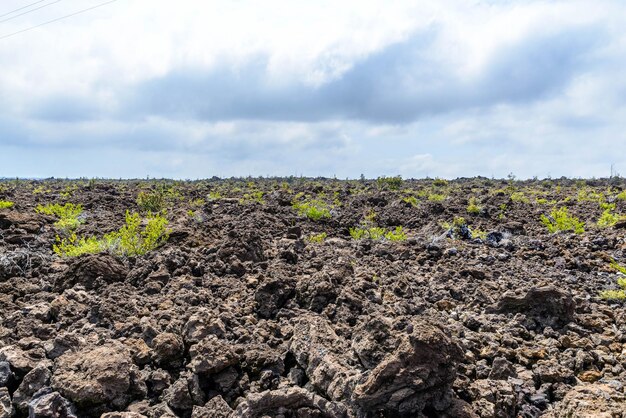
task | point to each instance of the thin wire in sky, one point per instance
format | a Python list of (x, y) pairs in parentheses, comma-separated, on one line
[(22, 8), (57, 19), (29, 11)]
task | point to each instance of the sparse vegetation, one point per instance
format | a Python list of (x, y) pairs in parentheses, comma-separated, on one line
[(254, 196), (68, 214), (6, 204), (412, 200), (519, 197), (561, 220), (153, 201), (391, 183), (608, 217), (317, 238), (435, 197), (440, 182), (129, 240), (314, 209), (472, 206), (618, 294)]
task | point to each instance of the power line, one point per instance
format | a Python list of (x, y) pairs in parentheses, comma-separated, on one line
[(22, 8), (29, 11), (57, 19)]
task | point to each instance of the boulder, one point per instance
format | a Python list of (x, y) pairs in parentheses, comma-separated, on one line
[(98, 375), (548, 305), (595, 400)]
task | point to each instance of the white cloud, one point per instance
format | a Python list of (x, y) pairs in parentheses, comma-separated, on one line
[(438, 87)]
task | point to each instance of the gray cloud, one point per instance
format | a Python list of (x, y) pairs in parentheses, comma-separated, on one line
[(397, 85)]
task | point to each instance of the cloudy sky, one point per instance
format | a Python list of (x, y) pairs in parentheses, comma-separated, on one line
[(198, 88)]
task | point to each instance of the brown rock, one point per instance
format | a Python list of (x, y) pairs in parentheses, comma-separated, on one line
[(97, 375), (590, 376)]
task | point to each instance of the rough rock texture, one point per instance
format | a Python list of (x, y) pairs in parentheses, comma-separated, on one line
[(251, 308), (593, 400), (93, 271), (547, 304), (100, 375)]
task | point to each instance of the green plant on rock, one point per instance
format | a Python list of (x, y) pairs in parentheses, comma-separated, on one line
[(397, 234), (621, 195), (519, 197), (616, 266), (152, 201), (561, 220), (68, 214), (6, 204), (436, 197), (439, 182), (472, 207), (317, 238), (255, 196), (130, 240), (391, 183), (608, 217), (314, 209), (411, 200), (373, 233), (619, 294)]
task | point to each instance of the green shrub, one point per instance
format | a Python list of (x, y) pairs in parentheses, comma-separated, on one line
[(608, 218), (153, 201), (616, 266), (561, 220), (129, 240), (397, 234), (392, 183), (373, 233), (215, 195), (255, 196), (317, 238), (5, 204), (619, 294), (621, 196), (434, 197), (472, 206), (411, 200), (440, 182), (314, 209), (68, 214), (519, 197), (586, 195), (377, 233)]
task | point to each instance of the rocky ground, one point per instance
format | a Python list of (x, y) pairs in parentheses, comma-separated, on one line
[(246, 311)]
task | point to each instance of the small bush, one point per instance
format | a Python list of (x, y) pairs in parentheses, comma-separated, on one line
[(129, 240), (412, 200), (472, 206), (373, 233), (434, 197), (68, 214), (153, 201), (397, 234), (377, 233), (519, 197), (616, 266), (561, 220), (608, 218), (621, 196), (619, 294), (314, 209), (253, 197), (392, 183), (5, 204), (318, 238), (440, 182)]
